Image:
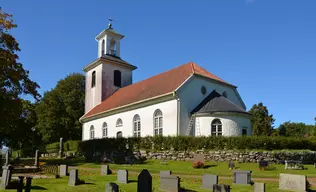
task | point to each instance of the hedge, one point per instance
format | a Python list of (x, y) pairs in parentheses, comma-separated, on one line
[(68, 146), (182, 143)]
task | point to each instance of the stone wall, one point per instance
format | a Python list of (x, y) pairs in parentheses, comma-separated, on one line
[(306, 157)]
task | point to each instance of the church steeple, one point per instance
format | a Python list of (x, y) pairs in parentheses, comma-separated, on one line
[(109, 42)]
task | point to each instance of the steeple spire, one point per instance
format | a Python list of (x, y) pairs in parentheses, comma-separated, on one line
[(110, 23)]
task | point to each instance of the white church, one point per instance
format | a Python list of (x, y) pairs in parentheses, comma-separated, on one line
[(186, 100)]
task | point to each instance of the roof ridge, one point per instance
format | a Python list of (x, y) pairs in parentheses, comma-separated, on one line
[(192, 67)]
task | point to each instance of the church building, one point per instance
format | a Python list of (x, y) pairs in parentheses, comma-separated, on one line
[(186, 100)]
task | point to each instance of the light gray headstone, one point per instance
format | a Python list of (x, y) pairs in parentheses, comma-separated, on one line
[(112, 187), (221, 188), (259, 187), (242, 177), (7, 157), (6, 176), (105, 170), (61, 147), (170, 183), (122, 176), (36, 162), (165, 173), (314, 165), (73, 177), (209, 180), (63, 170), (292, 182)]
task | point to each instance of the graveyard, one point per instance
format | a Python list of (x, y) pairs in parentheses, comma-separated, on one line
[(59, 174)]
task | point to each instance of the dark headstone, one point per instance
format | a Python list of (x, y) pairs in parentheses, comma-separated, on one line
[(165, 173), (73, 177), (259, 187), (112, 187), (144, 183), (242, 177), (221, 188), (209, 180), (105, 170), (170, 183), (36, 163), (122, 176), (63, 170), (263, 164), (28, 184), (20, 184), (231, 165), (6, 176)]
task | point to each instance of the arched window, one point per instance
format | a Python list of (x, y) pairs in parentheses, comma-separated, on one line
[(224, 94), (119, 134), (136, 126), (119, 122), (93, 79), (158, 123), (91, 132), (105, 130), (216, 127), (117, 78), (113, 47), (103, 47)]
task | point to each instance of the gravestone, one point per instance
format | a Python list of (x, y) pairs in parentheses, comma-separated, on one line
[(7, 158), (36, 163), (314, 165), (292, 182), (20, 184), (6, 176), (259, 187), (165, 173), (28, 184), (105, 170), (242, 177), (73, 177), (63, 170), (221, 188), (296, 165), (231, 165), (199, 157), (112, 187), (61, 147), (263, 164), (144, 183), (122, 176), (170, 183), (209, 180)]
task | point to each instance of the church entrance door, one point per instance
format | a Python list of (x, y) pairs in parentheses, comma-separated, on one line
[(119, 134)]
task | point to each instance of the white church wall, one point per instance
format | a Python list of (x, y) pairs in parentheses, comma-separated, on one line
[(93, 94), (190, 97), (168, 108), (231, 125)]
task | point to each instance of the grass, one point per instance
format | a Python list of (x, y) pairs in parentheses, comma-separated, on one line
[(90, 173)]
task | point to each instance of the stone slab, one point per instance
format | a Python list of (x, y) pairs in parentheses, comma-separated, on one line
[(165, 173), (73, 177), (209, 180), (259, 187), (170, 183), (242, 177), (144, 181), (122, 176), (292, 182)]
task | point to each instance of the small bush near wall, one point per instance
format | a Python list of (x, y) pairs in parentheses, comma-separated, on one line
[(52, 148), (71, 146)]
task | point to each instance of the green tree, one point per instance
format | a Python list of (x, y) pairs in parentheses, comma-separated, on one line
[(262, 121), (293, 129), (14, 80), (59, 111)]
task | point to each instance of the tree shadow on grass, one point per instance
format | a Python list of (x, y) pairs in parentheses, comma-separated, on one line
[(187, 190), (209, 166), (37, 188), (132, 181)]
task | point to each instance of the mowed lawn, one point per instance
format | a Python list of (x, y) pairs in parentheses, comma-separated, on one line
[(185, 168)]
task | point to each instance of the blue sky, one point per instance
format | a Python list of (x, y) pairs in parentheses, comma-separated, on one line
[(265, 47)]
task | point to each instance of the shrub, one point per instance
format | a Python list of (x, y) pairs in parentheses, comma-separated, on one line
[(52, 148), (198, 164), (72, 146)]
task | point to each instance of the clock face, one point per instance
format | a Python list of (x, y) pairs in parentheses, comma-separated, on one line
[(203, 90)]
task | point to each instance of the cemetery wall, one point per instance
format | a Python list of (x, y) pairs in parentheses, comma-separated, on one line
[(245, 156)]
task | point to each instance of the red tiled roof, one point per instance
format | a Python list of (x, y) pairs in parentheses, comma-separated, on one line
[(157, 85)]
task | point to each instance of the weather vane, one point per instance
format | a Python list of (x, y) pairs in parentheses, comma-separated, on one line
[(110, 23)]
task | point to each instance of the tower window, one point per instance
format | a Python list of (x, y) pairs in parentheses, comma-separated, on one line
[(112, 50), (103, 47), (93, 79), (117, 78)]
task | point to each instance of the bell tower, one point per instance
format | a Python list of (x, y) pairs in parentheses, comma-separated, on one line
[(108, 72)]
